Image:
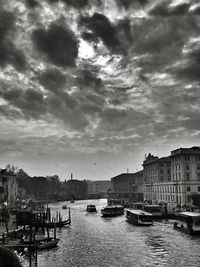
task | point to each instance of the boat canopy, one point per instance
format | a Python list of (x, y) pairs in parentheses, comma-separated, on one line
[(190, 214), (139, 212)]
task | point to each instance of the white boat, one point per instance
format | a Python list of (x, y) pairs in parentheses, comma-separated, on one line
[(139, 217), (110, 211), (189, 223)]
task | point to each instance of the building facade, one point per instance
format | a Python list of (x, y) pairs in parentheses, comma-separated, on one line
[(8, 187), (128, 186), (98, 189), (172, 180)]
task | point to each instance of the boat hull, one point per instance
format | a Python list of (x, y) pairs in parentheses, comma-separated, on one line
[(48, 244), (186, 230)]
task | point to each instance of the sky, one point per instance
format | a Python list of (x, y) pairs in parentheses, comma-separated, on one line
[(90, 87)]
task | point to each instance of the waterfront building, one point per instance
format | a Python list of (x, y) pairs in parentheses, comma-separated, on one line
[(76, 189), (173, 180), (8, 187), (98, 189), (127, 186)]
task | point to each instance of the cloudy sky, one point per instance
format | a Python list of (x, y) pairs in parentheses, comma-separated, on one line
[(90, 86)]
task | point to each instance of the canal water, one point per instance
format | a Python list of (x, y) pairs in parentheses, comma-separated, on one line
[(92, 240)]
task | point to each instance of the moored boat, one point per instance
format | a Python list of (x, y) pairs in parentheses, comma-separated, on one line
[(190, 223), (48, 244), (155, 210), (64, 207), (139, 217), (110, 211), (91, 208)]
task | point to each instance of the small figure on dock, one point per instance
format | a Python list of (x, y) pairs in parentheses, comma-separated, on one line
[(8, 258)]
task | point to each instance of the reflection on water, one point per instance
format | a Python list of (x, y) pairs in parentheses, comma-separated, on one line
[(92, 240)]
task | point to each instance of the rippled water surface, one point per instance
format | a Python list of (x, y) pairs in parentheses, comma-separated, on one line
[(92, 240)]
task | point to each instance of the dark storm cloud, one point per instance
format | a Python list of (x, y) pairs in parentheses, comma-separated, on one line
[(73, 117), (77, 3), (55, 81), (196, 10), (52, 79), (87, 78), (128, 3), (30, 102), (163, 8), (189, 70), (124, 30), (32, 3), (59, 44), (7, 22), (10, 113), (9, 53), (114, 119), (160, 40), (100, 25)]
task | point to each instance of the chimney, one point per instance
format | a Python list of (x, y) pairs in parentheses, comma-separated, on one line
[(71, 176)]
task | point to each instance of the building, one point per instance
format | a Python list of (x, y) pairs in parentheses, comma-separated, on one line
[(98, 189), (128, 186), (8, 187), (157, 179), (76, 189), (173, 180)]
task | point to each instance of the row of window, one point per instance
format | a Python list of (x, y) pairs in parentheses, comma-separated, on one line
[(167, 189), (175, 177), (185, 158)]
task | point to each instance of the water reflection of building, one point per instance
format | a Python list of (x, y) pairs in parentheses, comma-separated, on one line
[(173, 179), (127, 186), (98, 189), (8, 187)]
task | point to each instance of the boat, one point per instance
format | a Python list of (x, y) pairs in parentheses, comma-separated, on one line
[(36, 240), (64, 207), (48, 244), (110, 211), (72, 200), (189, 223), (57, 224), (91, 208), (139, 217), (155, 210)]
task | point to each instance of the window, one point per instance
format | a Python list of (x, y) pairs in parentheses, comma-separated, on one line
[(168, 171), (188, 189), (198, 167), (198, 188), (187, 176), (198, 176), (187, 158), (198, 158), (187, 167), (161, 171)]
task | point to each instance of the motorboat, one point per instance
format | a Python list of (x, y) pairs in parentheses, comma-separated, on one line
[(139, 217), (110, 211), (91, 208), (189, 223)]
